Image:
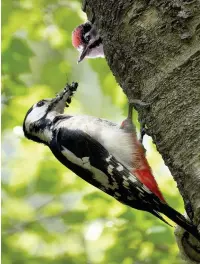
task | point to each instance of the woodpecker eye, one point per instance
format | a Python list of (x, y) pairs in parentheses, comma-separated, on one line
[(87, 38), (40, 103)]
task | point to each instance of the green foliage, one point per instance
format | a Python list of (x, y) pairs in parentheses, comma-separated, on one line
[(49, 215)]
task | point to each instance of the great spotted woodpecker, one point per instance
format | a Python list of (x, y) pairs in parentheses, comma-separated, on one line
[(87, 41), (98, 151)]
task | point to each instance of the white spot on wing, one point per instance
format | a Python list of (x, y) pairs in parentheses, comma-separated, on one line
[(98, 175), (71, 157), (110, 169), (139, 189), (109, 158), (85, 159), (132, 178), (146, 189), (125, 183), (141, 195), (120, 167), (86, 162)]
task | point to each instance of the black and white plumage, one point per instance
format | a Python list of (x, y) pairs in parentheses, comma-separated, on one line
[(96, 150)]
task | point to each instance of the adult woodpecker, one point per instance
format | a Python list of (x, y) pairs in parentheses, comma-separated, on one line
[(98, 151), (87, 41)]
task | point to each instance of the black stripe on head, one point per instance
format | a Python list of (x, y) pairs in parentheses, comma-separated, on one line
[(86, 28), (40, 124), (96, 43), (24, 128), (38, 127)]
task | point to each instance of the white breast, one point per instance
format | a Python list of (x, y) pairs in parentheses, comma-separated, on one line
[(114, 139)]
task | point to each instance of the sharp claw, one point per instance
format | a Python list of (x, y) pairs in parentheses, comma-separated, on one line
[(142, 133)]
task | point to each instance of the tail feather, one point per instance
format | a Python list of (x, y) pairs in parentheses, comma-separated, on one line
[(157, 214), (180, 220)]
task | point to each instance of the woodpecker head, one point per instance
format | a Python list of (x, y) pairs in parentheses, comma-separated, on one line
[(40, 117), (87, 41)]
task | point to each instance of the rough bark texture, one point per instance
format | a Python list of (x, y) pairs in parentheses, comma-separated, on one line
[(153, 49)]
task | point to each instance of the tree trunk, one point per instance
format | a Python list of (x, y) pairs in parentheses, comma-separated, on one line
[(153, 50)]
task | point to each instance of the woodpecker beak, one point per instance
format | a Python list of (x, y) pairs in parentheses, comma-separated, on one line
[(91, 49), (63, 99), (84, 52)]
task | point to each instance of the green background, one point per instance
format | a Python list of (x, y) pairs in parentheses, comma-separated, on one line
[(49, 215)]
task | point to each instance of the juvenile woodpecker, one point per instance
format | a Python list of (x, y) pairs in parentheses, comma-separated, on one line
[(98, 151), (87, 41)]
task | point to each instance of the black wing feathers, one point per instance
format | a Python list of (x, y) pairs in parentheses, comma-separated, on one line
[(83, 145)]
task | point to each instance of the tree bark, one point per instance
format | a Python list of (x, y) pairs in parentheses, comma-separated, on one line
[(153, 50)]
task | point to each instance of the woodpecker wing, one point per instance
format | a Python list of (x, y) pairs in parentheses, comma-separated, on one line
[(93, 163), (106, 172)]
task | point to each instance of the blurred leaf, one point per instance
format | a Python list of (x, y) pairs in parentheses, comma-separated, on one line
[(156, 234), (74, 218), (16, 57)]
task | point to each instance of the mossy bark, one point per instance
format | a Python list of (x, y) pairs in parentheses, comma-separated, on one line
[(153, 50)]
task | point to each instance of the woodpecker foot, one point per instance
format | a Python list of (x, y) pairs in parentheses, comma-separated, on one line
[(136, 103), (142, 132), (127, 124)]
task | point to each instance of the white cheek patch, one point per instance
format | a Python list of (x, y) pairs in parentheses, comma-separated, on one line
[(98, 175), (36, 114)]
